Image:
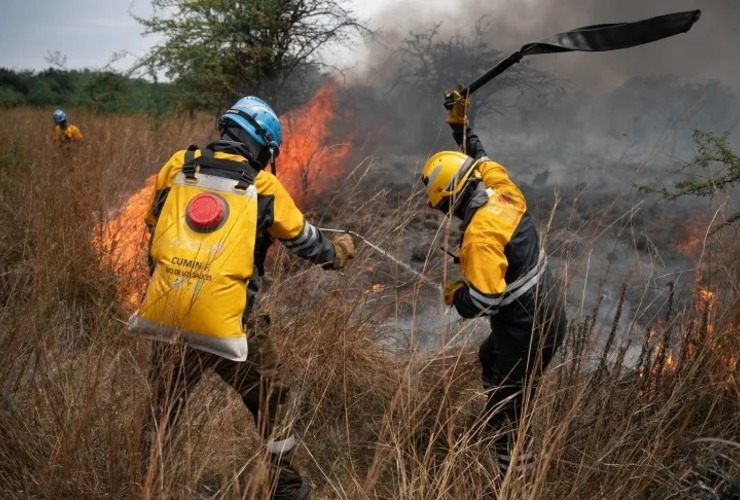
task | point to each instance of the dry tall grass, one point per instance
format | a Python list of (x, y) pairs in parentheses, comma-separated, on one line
[(373, 424)]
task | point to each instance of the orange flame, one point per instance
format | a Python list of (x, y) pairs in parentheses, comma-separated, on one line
[(122, 242), (690, 235), (704, 303), (308, 164), (688, 246)]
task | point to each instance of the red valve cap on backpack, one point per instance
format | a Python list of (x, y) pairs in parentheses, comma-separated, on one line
[(206, 212)]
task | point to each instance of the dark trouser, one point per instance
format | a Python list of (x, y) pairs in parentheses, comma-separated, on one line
[(175, 371), (513, 357)]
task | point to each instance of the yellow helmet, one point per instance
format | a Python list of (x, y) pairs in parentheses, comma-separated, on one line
[(445, 174)]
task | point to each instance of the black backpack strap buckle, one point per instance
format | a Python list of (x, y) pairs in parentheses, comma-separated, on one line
[(188, 167), (246, 178)]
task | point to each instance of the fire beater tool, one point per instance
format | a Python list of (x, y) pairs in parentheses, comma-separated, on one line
[(596, 38)]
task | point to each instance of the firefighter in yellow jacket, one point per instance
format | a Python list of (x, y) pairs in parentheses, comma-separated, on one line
[(64, 132), (214, 214), (505, 277)]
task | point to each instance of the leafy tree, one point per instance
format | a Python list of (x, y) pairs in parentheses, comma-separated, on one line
[(218, 50), (108, 91), (10, 97), (15, 80), (101, 90), (13, 87), (715, 156)]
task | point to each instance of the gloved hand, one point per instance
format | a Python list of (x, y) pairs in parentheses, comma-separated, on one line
[(460, 106), (344, 249), (451, 287)]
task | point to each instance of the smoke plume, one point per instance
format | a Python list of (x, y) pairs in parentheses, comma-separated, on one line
[(588, 126), (709, 51)]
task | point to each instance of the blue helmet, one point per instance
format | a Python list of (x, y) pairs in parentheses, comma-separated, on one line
[(59, 116), (258, 119)]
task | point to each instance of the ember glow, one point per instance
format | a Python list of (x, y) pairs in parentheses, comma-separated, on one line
[(704, 305), (688, 246), (690, 237), (308, 165), (706, 295)]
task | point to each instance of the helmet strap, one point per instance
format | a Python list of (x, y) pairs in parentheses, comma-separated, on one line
[(461, 201), (273, 167)]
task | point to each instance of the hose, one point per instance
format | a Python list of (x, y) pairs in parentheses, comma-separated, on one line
[(375, 247)]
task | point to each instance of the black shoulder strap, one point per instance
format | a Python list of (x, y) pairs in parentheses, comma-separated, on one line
[(188, 167), (247, 173)]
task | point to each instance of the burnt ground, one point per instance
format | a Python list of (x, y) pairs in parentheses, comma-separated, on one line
[(598, 238)]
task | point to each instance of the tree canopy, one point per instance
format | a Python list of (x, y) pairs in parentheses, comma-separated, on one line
[(714, 169), (219, 50), (100, 90)]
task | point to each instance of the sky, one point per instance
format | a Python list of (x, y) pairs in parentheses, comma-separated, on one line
[(89, 32)]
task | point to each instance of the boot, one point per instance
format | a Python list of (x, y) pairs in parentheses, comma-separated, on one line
[(286, 481), (290, 485)]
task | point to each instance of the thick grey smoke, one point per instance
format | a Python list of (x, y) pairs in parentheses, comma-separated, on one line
[(711, 50), (619, 104), (598, 125)]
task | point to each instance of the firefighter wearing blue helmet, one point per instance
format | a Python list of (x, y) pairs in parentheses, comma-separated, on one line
[(224, 174), (59, 116), (252, 122), (64, 132)]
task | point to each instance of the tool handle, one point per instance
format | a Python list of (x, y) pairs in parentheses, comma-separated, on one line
[(487, 76), (492, 73)]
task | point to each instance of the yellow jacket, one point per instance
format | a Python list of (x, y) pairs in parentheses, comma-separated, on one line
[(500, 258), (482, 257), (278, 216), (67, 134), (288, 220)]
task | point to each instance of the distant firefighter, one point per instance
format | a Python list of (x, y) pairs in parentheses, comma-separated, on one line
[(505, 278), (65, 132)]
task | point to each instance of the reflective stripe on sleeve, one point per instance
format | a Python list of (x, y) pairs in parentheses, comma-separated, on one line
[(489, 304), (305, 238), (313, 236)]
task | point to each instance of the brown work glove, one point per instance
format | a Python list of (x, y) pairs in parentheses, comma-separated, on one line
[(460, 105), (344, 250), (451, 287)]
